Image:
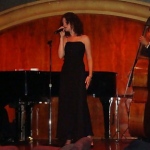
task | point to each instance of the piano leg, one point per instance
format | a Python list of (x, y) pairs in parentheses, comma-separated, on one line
[(20, 120), (28, 122), (105, 103), (24, 116)]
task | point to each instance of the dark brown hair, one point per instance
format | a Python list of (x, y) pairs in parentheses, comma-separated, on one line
[(74, 21)]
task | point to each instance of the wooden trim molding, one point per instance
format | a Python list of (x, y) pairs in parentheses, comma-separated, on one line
[(45, 8)]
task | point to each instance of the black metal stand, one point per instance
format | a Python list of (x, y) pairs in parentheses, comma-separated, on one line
[(50, 97), (127, 105), (50, 100)]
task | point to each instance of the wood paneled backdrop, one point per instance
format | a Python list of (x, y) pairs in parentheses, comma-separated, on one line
[(114, 41)]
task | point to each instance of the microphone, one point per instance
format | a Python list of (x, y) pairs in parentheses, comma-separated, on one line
[(59, 30)]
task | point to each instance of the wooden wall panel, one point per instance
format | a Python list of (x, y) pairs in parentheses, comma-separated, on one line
[(26, 47), (114, 44)]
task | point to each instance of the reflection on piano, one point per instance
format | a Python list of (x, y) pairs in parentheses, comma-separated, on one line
[(24, 88), (103, 86), (21, 89), (19, 84)]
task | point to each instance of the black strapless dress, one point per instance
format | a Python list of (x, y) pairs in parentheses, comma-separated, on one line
[(73, 113)]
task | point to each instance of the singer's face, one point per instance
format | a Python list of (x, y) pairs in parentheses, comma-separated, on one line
[(66, 25)]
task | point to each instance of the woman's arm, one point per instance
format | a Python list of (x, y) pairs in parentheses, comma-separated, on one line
[(61, 47), (89, 59)]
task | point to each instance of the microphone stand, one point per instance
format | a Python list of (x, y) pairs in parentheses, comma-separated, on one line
[(50, 100)]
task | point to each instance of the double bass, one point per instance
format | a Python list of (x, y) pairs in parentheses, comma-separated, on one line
[(139, 111)]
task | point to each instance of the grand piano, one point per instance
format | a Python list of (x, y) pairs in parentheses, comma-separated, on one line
[(25, 88), (21, 90)]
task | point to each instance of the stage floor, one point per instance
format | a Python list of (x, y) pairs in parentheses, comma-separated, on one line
[(99, 144)]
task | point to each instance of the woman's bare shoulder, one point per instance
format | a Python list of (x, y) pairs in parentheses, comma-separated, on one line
[(85, 38)]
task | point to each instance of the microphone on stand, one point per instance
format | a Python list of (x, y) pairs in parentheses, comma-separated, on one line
[(59, 30)]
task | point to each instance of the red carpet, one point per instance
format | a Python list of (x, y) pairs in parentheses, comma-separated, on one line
[(8, 148)]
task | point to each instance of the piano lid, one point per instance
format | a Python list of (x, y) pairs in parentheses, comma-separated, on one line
[(18, 84)]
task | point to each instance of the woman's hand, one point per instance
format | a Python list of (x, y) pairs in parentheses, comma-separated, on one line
[(62, 33), (88, 81)]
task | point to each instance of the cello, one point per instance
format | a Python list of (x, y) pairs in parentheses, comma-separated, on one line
[(139, 111)]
